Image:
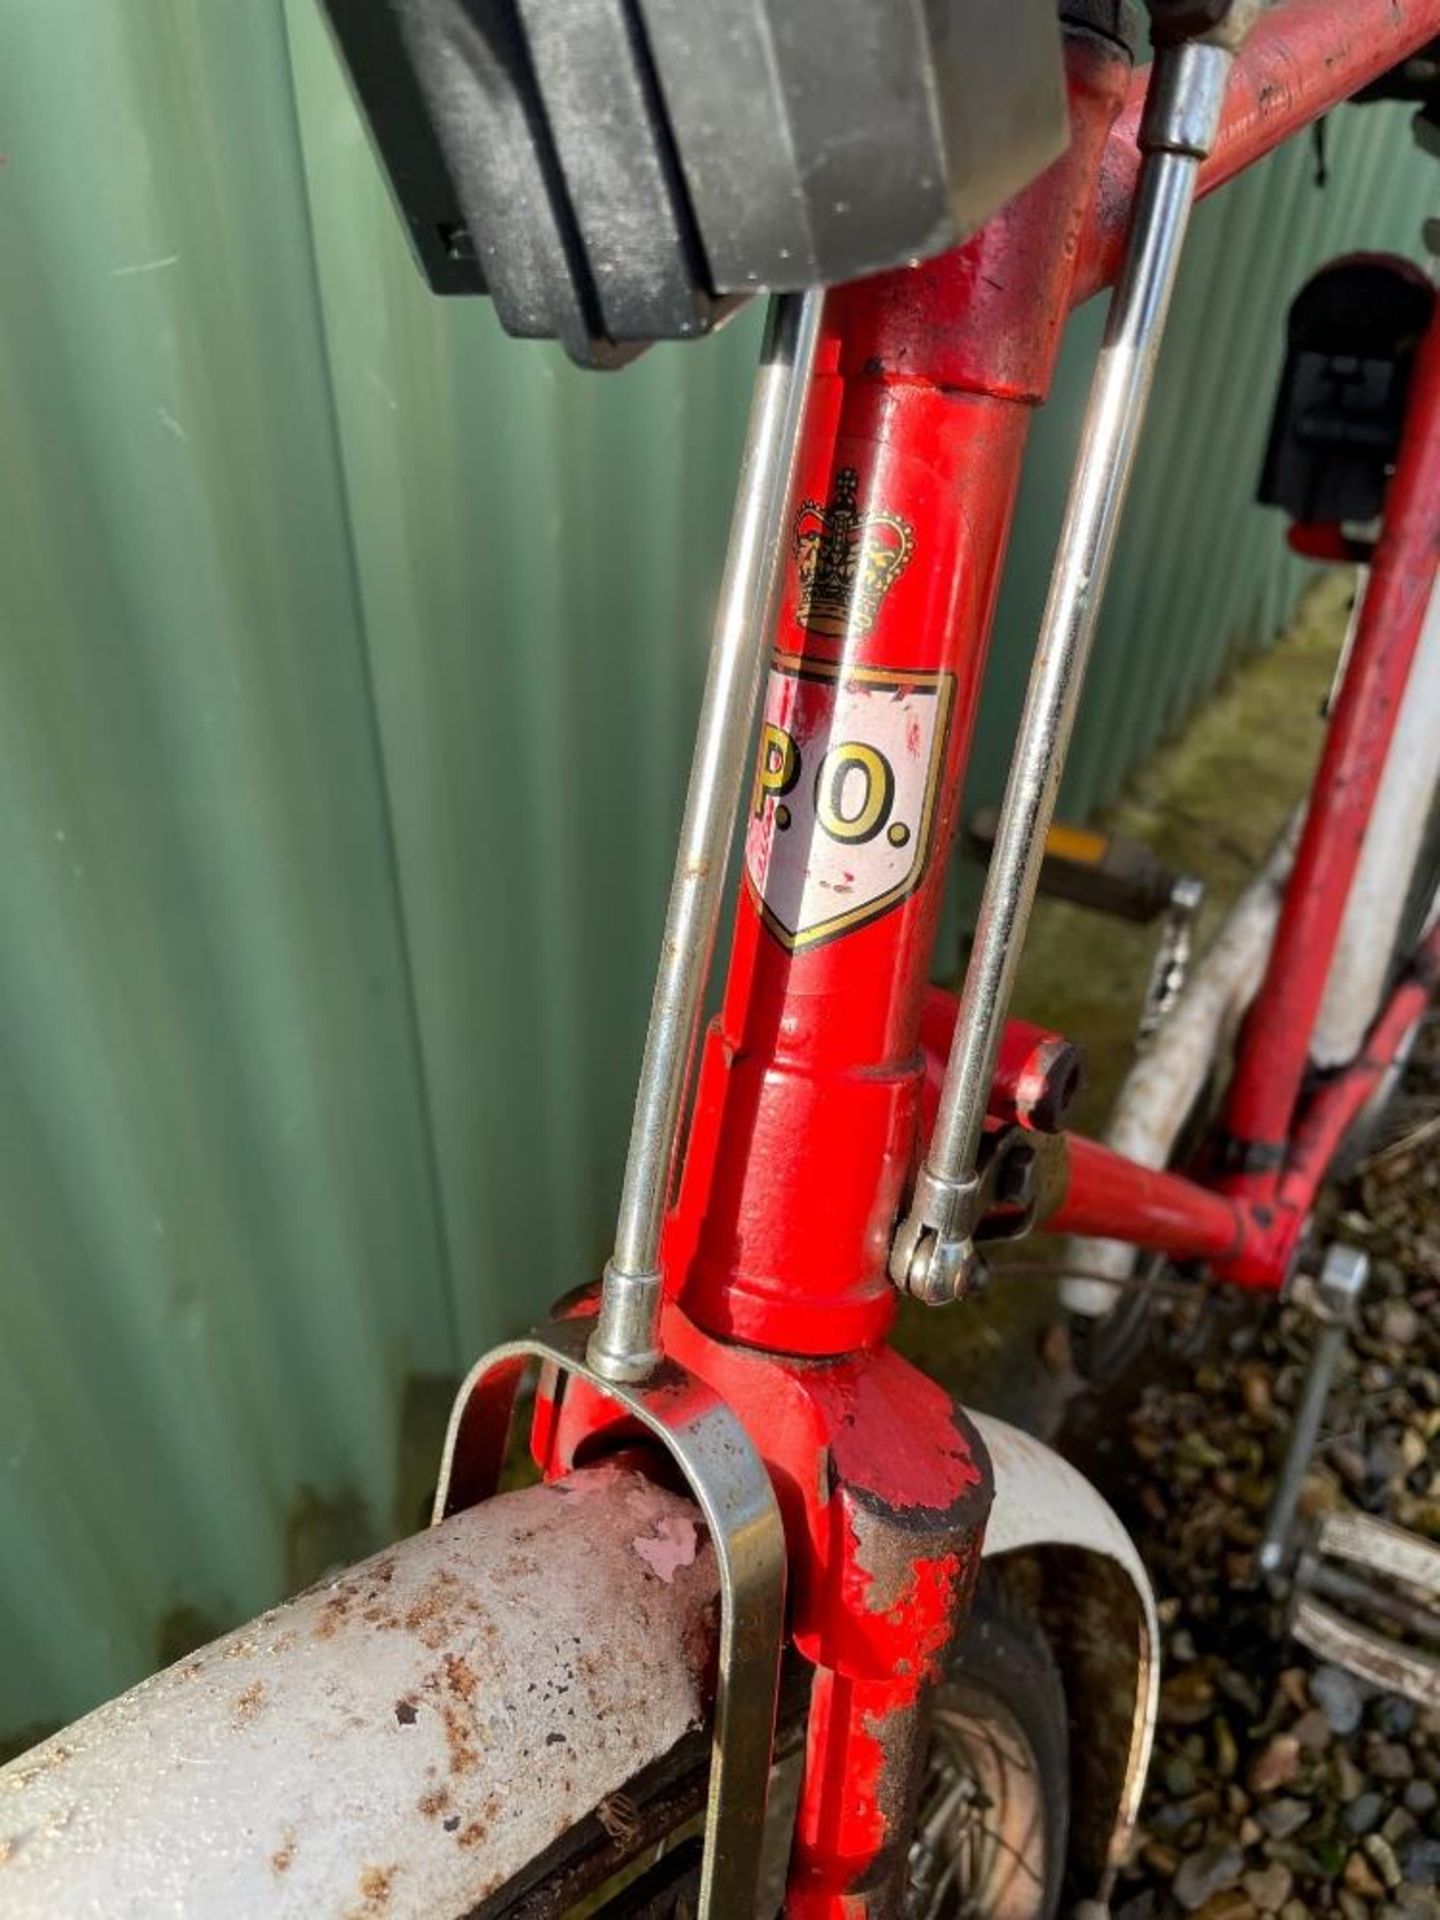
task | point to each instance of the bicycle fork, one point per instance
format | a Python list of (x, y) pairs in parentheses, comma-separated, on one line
[(770, 1279)]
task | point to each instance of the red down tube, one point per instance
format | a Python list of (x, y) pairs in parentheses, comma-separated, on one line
[(1111, 1198)]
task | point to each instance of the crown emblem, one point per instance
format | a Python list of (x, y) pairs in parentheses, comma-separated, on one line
[(847, 561)]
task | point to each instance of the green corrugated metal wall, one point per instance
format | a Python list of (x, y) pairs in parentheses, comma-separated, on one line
[(347, 662)]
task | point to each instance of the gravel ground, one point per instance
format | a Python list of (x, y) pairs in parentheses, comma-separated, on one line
[(1279, 1785)]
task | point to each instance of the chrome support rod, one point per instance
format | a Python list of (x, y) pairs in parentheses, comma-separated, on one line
[(625, 1343), (933, 1255)]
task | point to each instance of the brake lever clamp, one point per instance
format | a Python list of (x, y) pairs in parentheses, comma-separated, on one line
[(933, 1257), (1018, 1178)]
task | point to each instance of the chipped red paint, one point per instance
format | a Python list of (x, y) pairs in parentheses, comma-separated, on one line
[(870, 1420), (846, 1857), (883, 1488)]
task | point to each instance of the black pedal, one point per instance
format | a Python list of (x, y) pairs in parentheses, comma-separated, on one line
[(613, 172), (1350, 342), (1103, 871)]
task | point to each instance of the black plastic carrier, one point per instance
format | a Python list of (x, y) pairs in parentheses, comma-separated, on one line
[(614, 172)]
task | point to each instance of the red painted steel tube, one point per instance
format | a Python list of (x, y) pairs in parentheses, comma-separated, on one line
[(1111, 1198), (1276, 1038), (1252, 1244), (1276, 1218), (1298, 61), (808, 1091), (1038, 1074), (1328, 1117)]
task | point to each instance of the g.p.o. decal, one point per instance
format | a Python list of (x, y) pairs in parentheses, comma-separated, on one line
[(845, 783)]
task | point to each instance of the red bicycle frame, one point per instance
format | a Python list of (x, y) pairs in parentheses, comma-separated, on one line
[(808, 1102), (1278, 1145)]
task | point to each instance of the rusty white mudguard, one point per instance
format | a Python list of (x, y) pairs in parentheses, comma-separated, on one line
[(405, 1738), (400, 1740)]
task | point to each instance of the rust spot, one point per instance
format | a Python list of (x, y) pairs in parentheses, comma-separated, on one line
[(249, 1703), (479, 1827), (54, 1759), (376, 1885), (431, 1616), (460, 1676), (405, 1712), (333, 1614), (436, 1801), (463, 1757), (284, 1854)]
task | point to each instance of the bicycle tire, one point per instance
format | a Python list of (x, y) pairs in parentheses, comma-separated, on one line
[(1105, 1347)]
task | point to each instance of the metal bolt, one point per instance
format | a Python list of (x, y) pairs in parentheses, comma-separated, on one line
[(943, 1271)]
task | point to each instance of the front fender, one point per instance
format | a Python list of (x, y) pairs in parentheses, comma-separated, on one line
[(1098, 1608), (426, 1723)]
